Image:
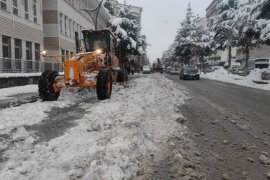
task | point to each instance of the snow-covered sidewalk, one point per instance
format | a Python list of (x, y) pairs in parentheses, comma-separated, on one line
[(5, 93), (248, 81), (109, 142)]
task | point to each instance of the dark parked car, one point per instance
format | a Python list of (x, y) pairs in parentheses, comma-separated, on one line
[(189, 72)]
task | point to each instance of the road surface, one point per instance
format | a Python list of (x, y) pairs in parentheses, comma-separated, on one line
[(231, 125)]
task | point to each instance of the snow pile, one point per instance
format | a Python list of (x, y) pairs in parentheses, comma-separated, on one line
[(248, 81), (28, 114), (116, 22), (6, 75), (17, 90), (33, 113), (111, 139)]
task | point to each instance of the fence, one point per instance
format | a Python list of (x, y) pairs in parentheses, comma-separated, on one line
[(26, 66)]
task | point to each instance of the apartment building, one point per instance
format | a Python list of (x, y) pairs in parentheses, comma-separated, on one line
[(21, 35)]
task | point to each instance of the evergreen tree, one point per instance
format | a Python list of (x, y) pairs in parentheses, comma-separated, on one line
[(108, 5), (201, 38), (126, 28), (260, 12), (224, 37), (243, 25), (192, 38), (238, 25), (183, 40), (168, 56)]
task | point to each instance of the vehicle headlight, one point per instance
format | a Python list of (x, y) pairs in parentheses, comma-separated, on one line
[(44, 53), (98, 51)]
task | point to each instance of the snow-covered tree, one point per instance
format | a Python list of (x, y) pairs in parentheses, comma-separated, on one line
[(224, 37), (168, 56), (192, 39), (201, 38), (183, 38), (260, 12), (109, 6), (235, 26), (126, 27)]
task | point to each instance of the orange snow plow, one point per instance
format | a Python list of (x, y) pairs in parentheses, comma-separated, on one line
[(97, 67)]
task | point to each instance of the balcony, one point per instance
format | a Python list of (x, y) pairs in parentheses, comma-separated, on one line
[(8, 65)]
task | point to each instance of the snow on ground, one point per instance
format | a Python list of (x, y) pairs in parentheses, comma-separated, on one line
[(255, 75), (31, 113), (109, 141), (5, 92), (6, 75), (26, 114)]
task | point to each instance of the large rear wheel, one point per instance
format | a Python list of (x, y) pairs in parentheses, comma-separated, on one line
[(45, 86), (104, 85)]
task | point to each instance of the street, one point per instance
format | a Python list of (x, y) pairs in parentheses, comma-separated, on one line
[(91, 90), (154, 127), (231, 125), (137, 134)]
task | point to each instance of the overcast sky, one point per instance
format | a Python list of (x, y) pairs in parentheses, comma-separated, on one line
[(161, 18)]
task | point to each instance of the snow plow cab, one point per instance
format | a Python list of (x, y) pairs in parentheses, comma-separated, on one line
[(97, 67)]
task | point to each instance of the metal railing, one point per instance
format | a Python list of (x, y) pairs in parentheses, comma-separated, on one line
[(8, 65)]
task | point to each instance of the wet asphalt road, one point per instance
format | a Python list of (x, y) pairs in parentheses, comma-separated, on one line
[(231, 126)]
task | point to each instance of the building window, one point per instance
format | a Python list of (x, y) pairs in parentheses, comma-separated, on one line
[(18, 54), (70, 28), (15, 7), (37, 52), (6, 43), (18, 49), (66, 27), (6, 48), (3, 4), (29, 62), (63, 55), (28, 50), (74, 30), (26, 13), (35, 10), (67, 55), (61, 23)]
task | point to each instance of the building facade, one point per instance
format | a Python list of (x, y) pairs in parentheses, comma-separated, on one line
[(21, 35)]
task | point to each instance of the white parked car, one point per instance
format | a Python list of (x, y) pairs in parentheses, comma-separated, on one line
[(146, 70)]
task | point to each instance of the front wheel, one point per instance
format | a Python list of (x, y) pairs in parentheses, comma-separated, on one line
[(104, 85), (45, 86)]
